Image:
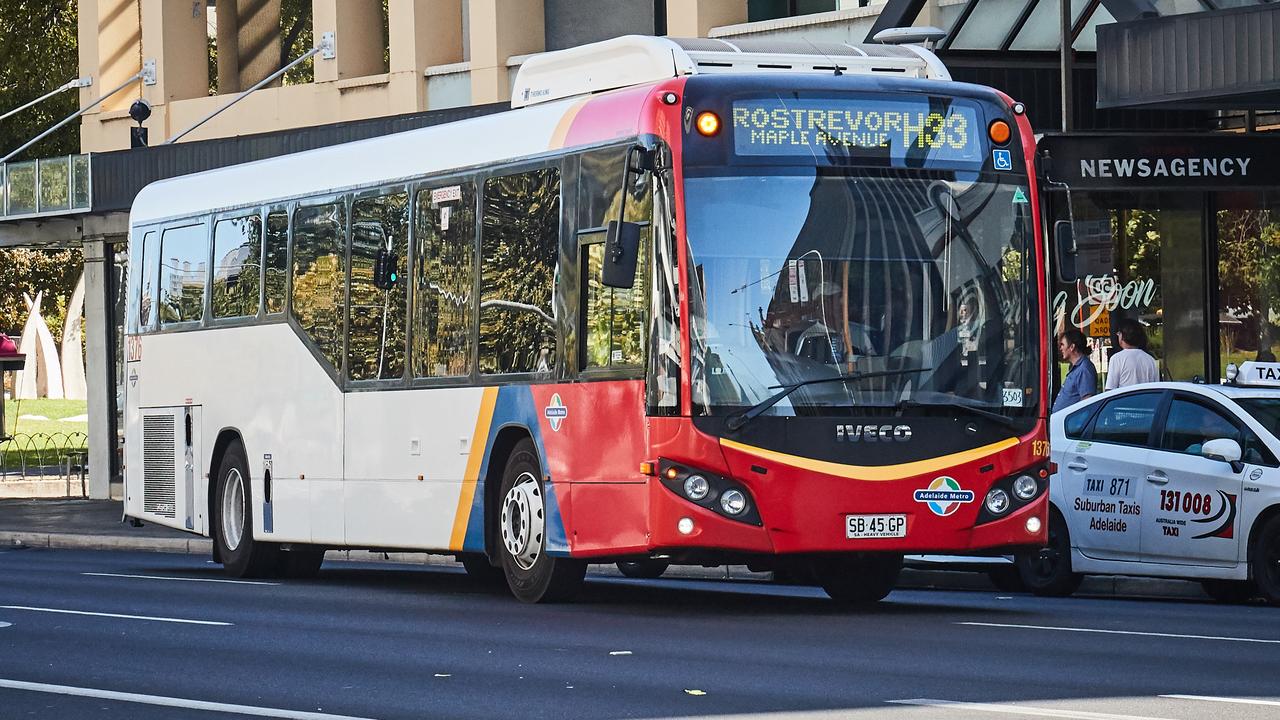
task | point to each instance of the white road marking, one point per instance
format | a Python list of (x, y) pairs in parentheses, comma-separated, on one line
[(1123, 632), (5, 624), (172, 702), (181, 579), (1018, 710), (115, 615), (1208, 698)]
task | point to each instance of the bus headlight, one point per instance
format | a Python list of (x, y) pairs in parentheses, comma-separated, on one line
[(997, 501), (696, 487), (1025, 487), (733, 501)]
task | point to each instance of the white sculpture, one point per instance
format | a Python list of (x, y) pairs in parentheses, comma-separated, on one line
[(73, 382), (41, 374)]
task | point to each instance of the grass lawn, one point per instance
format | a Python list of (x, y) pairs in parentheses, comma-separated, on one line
[(44, 441)]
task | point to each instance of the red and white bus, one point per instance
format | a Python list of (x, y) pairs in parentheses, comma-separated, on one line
[(687, 302)]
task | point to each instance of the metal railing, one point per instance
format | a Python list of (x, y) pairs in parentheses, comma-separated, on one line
[(48, 186), (46, 456)]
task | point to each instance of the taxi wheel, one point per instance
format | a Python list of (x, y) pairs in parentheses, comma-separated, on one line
[(1229, 591), (644, 569), (1264, 560), (858, 580), (533, 575), (1047, 571)]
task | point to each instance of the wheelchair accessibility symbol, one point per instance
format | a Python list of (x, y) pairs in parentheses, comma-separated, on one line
[(1001, 159)]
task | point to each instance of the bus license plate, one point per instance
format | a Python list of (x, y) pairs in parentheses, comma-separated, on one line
[(875, 526)]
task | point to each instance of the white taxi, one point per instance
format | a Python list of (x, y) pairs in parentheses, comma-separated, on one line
[(1169, 480)]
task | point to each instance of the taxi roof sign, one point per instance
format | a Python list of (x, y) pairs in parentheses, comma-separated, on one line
[(1264, 374)]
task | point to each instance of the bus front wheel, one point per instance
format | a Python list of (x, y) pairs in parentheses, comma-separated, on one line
[(242, 556), (532, 574), (858, 580)]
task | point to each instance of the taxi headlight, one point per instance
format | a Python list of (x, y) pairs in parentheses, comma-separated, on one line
[(1025, 487), (997, 501)]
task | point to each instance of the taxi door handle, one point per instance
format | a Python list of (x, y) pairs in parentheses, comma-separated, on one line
[(1078, 465), (1158, 477)]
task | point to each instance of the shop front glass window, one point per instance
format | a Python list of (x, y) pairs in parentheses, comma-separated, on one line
[(1248, 229), (1141, 258)]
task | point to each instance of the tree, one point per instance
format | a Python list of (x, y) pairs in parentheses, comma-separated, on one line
[(38, 43)]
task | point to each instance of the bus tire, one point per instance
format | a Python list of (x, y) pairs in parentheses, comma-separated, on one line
[(1264, 560), (242, 555), (300, 563), (1047, 571), (533, 575), (643, 569), (858, 580)]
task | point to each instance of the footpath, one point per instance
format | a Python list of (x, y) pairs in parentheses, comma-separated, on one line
[(99, 525)]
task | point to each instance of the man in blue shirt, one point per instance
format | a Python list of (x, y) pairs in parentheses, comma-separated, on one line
[(1082, 379)]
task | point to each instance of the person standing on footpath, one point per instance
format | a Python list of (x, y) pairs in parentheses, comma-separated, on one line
[(1132, 365), (1082, 379)]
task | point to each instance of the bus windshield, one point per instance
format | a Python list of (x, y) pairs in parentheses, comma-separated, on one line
[(923, 281)]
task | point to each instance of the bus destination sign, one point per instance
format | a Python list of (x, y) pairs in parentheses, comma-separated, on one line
[(868, 128)]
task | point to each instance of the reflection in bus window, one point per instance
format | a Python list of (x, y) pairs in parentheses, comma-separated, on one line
[(182, 273), (318, 282), (444, 279), (150, 259), (615, 317), (377, 325), (598, 184), (519, 248), (237, 258), (277, 270)]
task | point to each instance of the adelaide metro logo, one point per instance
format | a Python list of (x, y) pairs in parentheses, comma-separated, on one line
[(944, 496), (556, 412)]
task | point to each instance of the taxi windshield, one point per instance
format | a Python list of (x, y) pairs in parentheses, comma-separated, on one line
[(1264, 410)]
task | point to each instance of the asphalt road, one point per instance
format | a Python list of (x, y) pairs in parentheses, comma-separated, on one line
[(112, 634)]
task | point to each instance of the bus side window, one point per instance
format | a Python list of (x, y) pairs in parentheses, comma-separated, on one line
[(185, 257), (319, 280), (519, 249), (444, 278), (277, 258), (237, 266), (599, 181), (150, 259), (614, 318), (376, 327)]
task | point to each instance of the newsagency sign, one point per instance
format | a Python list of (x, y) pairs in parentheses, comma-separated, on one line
[(1173, 161)]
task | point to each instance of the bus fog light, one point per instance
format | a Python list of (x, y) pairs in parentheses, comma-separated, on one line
[(696, 487), (1033, 525), (997, 501), (685, 526), (733, 502), (1025, 488)]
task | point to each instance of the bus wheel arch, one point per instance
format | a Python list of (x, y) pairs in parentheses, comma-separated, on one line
[(234, 545), (504, 445), (226, 438)]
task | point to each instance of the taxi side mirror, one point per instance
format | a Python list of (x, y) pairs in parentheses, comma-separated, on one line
[(1225, 450)]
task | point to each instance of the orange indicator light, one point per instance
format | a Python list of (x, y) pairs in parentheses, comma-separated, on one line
[(708, 123), (672, 473), (999, 132), (646, 468)]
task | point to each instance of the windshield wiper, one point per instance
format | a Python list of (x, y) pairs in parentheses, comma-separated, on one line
[(971, 409), (736, 422)]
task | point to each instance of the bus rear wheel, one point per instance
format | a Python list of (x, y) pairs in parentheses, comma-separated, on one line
[(858, 580), (242, 556), (533, 575)]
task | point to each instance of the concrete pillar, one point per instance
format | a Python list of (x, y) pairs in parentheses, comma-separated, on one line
[(358, 41), (422, 33), (100, 358), (228, 47), (695, 18), (175, 33), (110, 34), (248, 43), (499, 30)]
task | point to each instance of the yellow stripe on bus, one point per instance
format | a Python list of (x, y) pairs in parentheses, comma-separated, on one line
[(479, 442), (871, 472), (561, 133)]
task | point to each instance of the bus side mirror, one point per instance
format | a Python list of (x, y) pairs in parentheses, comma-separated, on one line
[(385, 269), (621, 253), (1064, 240)]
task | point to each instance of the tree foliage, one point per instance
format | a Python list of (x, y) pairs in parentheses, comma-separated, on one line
[(54, 273), (38, 45)]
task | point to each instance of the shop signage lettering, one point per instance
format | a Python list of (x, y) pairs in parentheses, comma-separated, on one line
[(1103, 293), (1161, 167)]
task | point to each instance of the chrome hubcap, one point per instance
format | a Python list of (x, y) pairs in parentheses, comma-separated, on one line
[(523, 523), (233, 509)]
